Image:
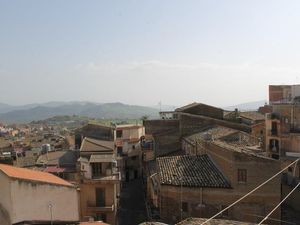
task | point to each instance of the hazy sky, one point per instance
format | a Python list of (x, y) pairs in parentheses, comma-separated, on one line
[(142, 52)]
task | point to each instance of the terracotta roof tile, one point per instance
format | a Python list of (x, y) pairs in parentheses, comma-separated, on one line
[(253, 115), (190, 171), (90, 144), (32, 175)]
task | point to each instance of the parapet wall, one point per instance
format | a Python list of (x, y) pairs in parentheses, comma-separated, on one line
[(190, 124)]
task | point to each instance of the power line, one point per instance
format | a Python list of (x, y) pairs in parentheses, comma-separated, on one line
[(270, 218), (279, 204), (249, 193)]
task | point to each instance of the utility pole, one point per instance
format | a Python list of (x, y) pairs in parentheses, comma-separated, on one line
[(180, 198), (50, 206)]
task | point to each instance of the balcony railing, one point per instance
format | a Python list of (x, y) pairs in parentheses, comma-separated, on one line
[(295, 130), (273, 133), (93, 207)]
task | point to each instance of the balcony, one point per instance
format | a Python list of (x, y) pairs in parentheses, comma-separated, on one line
[(295, 130), (106, 177), (93, 207)]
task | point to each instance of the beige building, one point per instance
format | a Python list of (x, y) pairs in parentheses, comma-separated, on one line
[(100, 181), (283, 139), (279, 94), (32, 197), (283, 130), (128, 147)]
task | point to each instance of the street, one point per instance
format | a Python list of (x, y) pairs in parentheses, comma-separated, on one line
[(132, 204)]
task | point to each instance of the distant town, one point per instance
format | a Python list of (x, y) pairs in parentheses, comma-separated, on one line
[(195, 165)]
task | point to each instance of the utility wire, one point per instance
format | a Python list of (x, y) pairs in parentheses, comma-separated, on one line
[(249, 193), (279, 204), (271, 219)]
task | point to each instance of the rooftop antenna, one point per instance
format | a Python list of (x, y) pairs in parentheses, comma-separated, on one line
[(159, 103)]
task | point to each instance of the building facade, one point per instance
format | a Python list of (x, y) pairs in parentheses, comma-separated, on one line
[(128, 147), (100, 181), (238, 160), (32, 197)]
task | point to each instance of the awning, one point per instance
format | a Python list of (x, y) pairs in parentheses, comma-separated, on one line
[(102, 158)]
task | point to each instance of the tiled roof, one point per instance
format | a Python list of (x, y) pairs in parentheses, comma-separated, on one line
[(230, 139), (187, 107), (90, 144), (252, 115), (53, 169), (51, 158), (212, 133), (31, 175), (190, 171), (194, 104), (198, 221)]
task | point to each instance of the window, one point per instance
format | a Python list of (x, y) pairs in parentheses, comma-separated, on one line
[(185, 207), (101, 217), (119, 150), (119, 133), (274, 128), (100, 197), (242, 175), (96, 169)]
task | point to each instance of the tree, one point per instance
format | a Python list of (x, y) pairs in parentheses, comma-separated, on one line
[(145, 117)]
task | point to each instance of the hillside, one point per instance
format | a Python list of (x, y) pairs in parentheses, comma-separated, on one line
[(92, 110), (249, 106)]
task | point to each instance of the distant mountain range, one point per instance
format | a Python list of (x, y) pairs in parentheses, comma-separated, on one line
[(28, 113), (249, 106), (31, 112)]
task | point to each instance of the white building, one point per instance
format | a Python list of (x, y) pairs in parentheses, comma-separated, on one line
[(33, 197)]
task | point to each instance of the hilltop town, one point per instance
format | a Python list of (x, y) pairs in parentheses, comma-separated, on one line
[(198, 164)]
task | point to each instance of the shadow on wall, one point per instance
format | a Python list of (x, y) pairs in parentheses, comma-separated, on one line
[(4, 216)]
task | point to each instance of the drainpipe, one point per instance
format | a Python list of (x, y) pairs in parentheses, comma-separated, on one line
[(201, 190)]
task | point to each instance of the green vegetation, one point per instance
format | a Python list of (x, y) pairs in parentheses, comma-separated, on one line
[(75, 121)]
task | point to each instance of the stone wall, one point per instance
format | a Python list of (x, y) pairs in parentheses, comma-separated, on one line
[(206, 202), (157, 126), (167, 143)]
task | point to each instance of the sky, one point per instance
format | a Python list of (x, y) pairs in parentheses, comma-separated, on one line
[(144, 52)]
